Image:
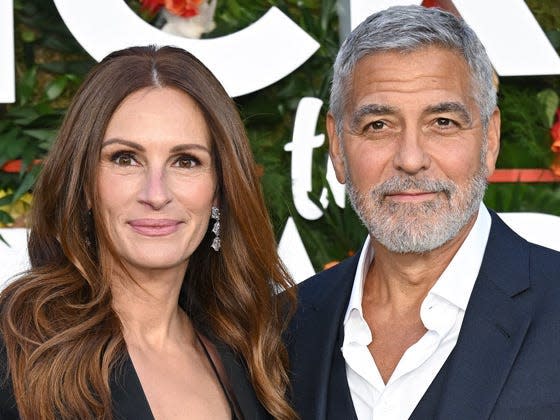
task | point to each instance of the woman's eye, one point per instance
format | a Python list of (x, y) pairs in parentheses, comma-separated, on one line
[(123, 159), (186, 162)]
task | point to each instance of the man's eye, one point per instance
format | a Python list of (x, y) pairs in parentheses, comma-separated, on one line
[(376, 125), (123, 159), (444, 122)]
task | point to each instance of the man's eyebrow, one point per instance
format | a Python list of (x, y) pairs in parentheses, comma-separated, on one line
[(131, 144), (369, 110), (454, 107)]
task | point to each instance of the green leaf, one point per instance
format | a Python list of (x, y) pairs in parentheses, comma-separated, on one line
[(11, 145), (28, 36), (26, 183), (7, 199), (5, 218), (23, 115), (41, 134), (26, 86), (549, 100), (3, 125), (55, 88)]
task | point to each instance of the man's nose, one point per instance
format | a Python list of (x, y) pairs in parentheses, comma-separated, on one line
[(411, 155)]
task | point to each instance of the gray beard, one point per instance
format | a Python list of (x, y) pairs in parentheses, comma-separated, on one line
[(418, 227)]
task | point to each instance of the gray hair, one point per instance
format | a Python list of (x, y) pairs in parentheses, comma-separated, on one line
[(407, 29)]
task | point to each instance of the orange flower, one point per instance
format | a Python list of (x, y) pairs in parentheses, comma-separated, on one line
[(555, 147), (14, 166), (152, 6), (330, 264), (184, 8), (555, 134), (556, 165)]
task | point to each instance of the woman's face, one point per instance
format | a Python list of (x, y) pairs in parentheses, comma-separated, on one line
[(156, 179)]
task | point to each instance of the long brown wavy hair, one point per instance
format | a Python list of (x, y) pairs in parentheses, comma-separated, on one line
[(62, 337)]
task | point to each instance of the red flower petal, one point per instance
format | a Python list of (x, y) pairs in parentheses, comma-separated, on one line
[(184, 8), (12, 166), (152, 6)]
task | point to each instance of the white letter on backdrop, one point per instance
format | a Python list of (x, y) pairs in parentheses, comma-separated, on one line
[(304, 140), (515, 42), (293, 253), (245, 61), (7, 66)]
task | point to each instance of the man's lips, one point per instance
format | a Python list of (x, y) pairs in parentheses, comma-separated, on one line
[(154, 227), (411, 196)]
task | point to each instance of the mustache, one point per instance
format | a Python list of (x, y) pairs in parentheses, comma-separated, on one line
[(399, 184)]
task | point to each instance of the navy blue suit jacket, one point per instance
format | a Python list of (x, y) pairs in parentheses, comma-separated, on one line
[(506, 364)]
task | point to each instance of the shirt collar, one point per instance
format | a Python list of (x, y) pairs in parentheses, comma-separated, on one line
[(456, 282), (355, 302)]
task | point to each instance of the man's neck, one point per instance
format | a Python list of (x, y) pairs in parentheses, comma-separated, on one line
[(394, 289), (402, 280)]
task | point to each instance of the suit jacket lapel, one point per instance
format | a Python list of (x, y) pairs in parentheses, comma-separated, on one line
[(496, 321), (314, 341)]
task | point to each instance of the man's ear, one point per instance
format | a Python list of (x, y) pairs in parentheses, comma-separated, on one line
[(335, 149), (493, 139)]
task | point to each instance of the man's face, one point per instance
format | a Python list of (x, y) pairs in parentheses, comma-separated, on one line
[(413, 150)]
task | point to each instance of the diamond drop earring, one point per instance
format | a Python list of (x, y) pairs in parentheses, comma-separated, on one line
[(216, 243)]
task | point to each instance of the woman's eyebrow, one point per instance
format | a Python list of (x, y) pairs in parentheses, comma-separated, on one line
[(188, 146), (128, 143)]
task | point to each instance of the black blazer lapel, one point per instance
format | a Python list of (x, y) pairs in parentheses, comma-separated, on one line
[(129, 400), (314, 338), (496, 321), (237, 374)]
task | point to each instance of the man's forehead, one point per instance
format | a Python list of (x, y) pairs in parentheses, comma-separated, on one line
[(431, 75)]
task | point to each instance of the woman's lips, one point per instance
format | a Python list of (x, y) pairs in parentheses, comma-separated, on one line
[(154, 227)]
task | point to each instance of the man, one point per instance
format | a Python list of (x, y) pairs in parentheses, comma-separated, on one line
[(445, 313)]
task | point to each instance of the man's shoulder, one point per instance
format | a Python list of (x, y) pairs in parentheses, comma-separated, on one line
[(542, 260), (545, 263)]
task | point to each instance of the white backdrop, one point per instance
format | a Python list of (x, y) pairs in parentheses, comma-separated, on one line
[(543, 229)]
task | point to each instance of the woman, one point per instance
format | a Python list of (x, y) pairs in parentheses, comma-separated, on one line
[(151, 292)]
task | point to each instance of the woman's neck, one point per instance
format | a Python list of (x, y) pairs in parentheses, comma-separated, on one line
[(148, 308)]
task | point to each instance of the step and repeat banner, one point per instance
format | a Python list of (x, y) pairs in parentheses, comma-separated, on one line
[(268, 50)]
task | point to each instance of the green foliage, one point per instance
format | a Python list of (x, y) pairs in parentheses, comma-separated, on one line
[(50, 65), (541, 198), (269, 117), (525, 128)]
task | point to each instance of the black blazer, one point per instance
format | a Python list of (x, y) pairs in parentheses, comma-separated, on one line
[(506, 364), (129, 400)]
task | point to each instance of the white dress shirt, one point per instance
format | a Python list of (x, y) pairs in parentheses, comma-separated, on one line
[(441, 313)]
